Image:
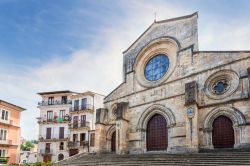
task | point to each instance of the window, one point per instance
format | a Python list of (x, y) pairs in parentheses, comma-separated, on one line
[(49, 115), (47, 148), (51, 100), (5, 115), (64, 99), (83, 120), (156, 67), (3, 134), (61, 146), (61, 133), (62, 113), (76, 105), (2, 153), (220, 87), (84, 103), (92, 139), (75, 137), (82, 136), (60, 157), (75, 122), (48, 133)]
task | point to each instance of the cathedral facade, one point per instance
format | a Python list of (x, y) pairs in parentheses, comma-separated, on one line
[(175, 98)]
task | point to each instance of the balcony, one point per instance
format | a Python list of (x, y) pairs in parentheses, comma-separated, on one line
[(6, 122), (81, 125), (4, 160), (77, 144), (86, 108), (56, 102), (53, 138), (55, 119), (6, 142), (46, 151)]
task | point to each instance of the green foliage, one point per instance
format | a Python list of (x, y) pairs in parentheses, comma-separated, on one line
[(38, 164), (27, 146)]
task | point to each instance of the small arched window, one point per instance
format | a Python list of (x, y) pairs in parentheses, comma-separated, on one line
[(60, 157)]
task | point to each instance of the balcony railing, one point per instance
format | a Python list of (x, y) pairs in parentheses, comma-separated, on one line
[(4, 160), (6, 142), (77, 144), (55, 119), (53, 138), (56, 102), (77, 125), (82, 108), (8, 122), (46, 151)]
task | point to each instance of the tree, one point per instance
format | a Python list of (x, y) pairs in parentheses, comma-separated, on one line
[(27, 146)]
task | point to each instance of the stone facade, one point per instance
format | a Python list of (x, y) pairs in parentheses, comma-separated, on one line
[(189, 84)]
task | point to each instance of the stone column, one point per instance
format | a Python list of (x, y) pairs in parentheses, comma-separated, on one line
[(122, 129), (100, 131), (192, 123)]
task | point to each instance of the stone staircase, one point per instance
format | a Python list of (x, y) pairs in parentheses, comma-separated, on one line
[(199, 159)]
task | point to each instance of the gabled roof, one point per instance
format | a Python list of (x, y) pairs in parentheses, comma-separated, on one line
[(159, 22), (13, 105)]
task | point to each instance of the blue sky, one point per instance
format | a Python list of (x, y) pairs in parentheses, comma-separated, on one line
[(77, 44)]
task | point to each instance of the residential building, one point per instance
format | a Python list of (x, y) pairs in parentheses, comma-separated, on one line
[(9, 132), (54, 125), (175, 98), (28, 157), (82, 126)]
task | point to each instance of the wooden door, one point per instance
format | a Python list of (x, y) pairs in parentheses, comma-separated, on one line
[(61, 133), (223, 133), (46, 158), (73, 152), (113, 142), (157, 137), (48, 133)]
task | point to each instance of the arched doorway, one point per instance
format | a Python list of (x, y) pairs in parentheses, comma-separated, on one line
[(157, 136), (60, 157), (223, 133), (113, 142)]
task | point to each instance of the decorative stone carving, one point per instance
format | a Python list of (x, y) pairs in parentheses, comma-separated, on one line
[(233, 114), (226, 79), (190, 93), (151, 111)]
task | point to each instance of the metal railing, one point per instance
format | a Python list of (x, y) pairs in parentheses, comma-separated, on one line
[(81, 108), (76, 144), (53, 119), (46, 151), (6, 142), (9, 122), (56, 102), (4, 160), (76, 125), (53, 137)]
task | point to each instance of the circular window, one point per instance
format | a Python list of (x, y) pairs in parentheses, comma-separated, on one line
[(221, 84), (156, 67), (220, 87)]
